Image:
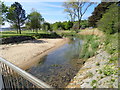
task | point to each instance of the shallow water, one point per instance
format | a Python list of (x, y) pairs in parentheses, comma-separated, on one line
[(60, 66)]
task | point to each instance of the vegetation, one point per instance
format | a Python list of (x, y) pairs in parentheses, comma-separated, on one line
[(109, 22), (34, 20), (104, 17), (90, 47), (40, 34), (98, 12), (16, 15), (3, 13), (76, 10)]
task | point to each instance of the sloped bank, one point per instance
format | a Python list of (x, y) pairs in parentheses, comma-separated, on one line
[(94, 75), (101, 69)]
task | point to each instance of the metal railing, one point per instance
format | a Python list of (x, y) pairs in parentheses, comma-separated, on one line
[(14, 77)]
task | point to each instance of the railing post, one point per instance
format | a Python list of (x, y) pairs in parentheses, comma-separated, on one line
[(9, 72), (1, 79)]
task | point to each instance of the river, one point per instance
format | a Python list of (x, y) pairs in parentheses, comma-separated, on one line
[(60, 66)]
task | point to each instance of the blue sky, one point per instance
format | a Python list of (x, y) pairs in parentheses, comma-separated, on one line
[(51, 11)]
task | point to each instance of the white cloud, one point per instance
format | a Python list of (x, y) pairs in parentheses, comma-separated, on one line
[(50, 5), (33, 0), (47, 0)]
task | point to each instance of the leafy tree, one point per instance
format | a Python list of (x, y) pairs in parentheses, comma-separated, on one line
[(109, 22), (4, 9), (16, 15), (84, 24), (98, 13), (58, 26), (34, 20), (68, 25), (46, 26)]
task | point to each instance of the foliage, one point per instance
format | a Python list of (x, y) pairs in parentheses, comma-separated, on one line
[(3, 13), (98, 13), (111, 43), (16, 15), (84, 24), (90, 46), (68, 25), (46, 26), (109, 70), (34, 20), (94, 83), (58, 26), (76, 9), (109, 22)]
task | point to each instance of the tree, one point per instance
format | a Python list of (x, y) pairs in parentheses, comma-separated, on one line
[(79, 8), (58, 26), (4, 9), (46, 26), (109, 23), (98, 13), (84, 24), (34, 20), (16, 15), (69, 10), (68, 25)]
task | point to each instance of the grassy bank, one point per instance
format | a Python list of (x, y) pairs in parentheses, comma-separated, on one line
[(40, 34), (104, 71)]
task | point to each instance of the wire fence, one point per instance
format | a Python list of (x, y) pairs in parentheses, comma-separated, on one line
[(14, 77)]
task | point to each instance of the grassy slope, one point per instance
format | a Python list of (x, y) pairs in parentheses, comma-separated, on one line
[(102, 52)]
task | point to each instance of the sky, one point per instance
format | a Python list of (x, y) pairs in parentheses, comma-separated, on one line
[(51, 10)]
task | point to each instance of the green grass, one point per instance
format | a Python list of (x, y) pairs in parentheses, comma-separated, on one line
[(24, 33), (90, 46), (111, 43)]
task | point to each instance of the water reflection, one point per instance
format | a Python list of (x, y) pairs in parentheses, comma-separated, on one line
[(60, 66)]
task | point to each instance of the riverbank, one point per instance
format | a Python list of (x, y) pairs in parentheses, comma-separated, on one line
[(97, 72), (28, 53), (100, 70)]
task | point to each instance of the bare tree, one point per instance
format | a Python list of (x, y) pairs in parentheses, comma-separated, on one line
[(77, 8), (69, 10)]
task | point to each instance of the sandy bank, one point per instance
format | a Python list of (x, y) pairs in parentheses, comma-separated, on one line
[(26, 54)]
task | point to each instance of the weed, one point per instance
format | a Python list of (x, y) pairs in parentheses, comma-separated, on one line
[(109, 70), (94, 83)]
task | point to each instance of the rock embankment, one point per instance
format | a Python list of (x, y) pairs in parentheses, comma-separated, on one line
[(94, 73)]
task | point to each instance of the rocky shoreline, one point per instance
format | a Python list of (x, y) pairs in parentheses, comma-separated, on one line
[(91, 76)]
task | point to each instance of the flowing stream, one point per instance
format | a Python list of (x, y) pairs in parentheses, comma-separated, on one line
[(60, 66)]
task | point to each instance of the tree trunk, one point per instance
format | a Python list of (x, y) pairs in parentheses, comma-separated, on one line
[(19, 29), (36, 30)]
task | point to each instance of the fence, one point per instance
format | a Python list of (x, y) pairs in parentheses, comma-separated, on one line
[(14, 77)]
